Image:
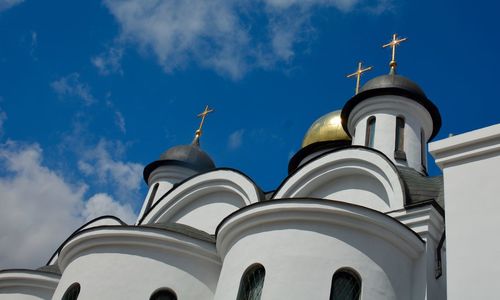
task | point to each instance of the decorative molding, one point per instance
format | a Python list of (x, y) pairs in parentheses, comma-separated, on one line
[(317, 211), (143, 237), (196, 187), (347, 161), (28, 278), (466, 147)]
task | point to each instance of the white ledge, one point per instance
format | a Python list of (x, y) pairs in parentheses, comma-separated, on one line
[(123, 238), (28, 278), (468, 146), (317, 211)]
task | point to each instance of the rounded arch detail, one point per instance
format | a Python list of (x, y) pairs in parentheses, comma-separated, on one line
[(204, 200), (358, 175)]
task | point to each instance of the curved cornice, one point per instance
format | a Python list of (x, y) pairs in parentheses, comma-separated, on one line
[(393, 91), (28, 278), (79, 229), (314, 148), (122, 237), (183, 186), (397, 181), (317, 211)]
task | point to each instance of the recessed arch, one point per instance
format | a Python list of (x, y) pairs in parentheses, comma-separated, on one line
[(204, 200), (356, 175)]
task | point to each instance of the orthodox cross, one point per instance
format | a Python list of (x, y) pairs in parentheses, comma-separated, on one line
[(202, 116), (393, 44), (358, 74)]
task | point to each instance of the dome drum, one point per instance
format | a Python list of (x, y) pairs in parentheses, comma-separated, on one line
[(392, 85)]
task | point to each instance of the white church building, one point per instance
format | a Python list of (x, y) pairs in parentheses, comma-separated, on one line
[(357, 217)]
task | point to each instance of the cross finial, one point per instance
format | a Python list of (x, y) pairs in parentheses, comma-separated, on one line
[(393, 44), (358, 74), (201, 115)]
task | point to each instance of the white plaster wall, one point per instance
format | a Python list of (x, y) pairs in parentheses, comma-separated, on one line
[(300, 256), (135, 268), (471, 169), (208, 211), (386, 109), (301, 259), (428, 223), (356, 189)]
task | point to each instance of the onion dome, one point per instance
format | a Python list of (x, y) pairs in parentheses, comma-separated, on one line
[(393, 81), (189, 156), (397, 85), (327, 128), (325, 134)]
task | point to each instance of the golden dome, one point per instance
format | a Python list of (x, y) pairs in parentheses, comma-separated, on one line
[(326, 128)]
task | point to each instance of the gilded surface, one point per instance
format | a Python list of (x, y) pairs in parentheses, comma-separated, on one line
[(326, 128)]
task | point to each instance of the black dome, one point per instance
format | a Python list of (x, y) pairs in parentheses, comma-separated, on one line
[(191, 154), (393, 81)]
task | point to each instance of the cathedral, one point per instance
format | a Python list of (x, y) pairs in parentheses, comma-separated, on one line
[(357, 217)]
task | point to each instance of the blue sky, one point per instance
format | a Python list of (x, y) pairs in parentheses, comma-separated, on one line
[(91, 91)]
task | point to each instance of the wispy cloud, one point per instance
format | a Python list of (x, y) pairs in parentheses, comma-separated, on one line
[(71, 86), (109, 62), (235, 139), (3, 118), (34, 43), (120, 121), (6, 4), (40, 207), (102, 162), (227, 36), (103, 204)]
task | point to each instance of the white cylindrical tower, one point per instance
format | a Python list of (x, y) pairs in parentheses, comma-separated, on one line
[(175, 165), (392, 114)]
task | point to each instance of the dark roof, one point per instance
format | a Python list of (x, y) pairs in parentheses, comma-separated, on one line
[(184, 230), (393, 81), (421, 188), (189, 156), (50, 269), (393, 85)]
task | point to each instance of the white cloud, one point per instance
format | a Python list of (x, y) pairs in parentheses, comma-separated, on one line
[(109, 61), (34, 43), (6, 4), (120, 121), (40, 207), (103, 204), (223, 35), (71, 86), (102, 162), (235, 139), (3, 118)]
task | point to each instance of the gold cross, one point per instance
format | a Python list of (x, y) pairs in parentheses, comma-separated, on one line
[(202, 116), (358, 74), (393, 44)]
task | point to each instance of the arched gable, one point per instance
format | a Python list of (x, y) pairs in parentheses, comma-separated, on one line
[(205, 200), (99, 221), (356, 175)]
